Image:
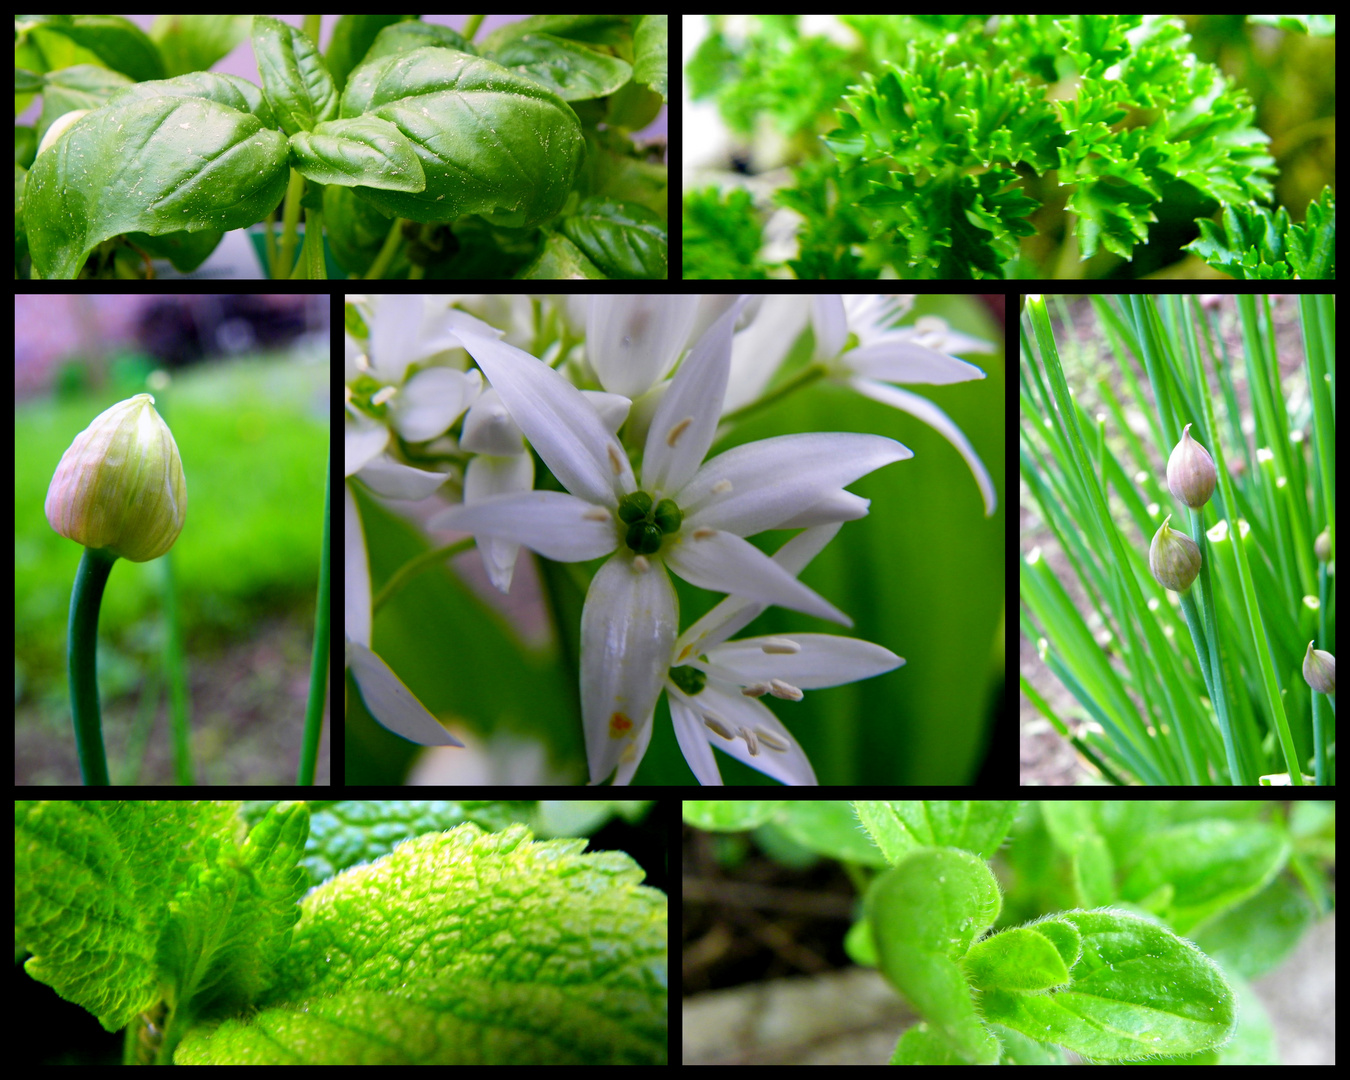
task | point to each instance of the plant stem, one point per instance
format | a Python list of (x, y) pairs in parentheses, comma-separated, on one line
[(82, 646), (318, 672)]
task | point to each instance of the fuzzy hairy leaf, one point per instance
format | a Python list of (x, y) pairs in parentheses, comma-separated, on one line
[(1137, 990)]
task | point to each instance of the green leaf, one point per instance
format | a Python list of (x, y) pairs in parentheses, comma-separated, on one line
[(1022, 959), (731, 816), (925, 913), (294, 77), (154, 164), (466, 948), (1136, 991), (650, 64), (125, 903), (490, 141), (365, 150), (901, 827), (624, 239)]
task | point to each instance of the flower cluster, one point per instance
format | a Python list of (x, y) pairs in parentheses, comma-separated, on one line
[(621, 398)]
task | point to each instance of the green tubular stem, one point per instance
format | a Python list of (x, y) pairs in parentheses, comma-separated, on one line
[(318, 673), (82, 647)]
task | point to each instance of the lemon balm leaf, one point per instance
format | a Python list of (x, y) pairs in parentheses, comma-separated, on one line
[(466, 948)]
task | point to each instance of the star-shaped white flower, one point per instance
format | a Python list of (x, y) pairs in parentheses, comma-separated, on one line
[(687, 515)]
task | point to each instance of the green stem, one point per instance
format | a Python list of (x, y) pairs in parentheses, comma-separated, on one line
[(95, 566), (318, 672)]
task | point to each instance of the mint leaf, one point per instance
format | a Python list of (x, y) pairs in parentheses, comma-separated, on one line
[(1137, 990), (465, 948)]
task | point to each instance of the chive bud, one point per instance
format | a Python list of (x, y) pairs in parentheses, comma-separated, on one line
[(1319, 670), (1174, 559), (120, 485), (1190, 472)]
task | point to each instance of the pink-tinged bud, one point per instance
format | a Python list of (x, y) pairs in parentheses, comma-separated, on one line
[(1174, 559), (1319, 670), (1190, 472), (120, 485)]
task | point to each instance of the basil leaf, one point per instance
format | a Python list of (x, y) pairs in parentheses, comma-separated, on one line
[(624, 240), (1136, 991), (294, 77), (157, 165), (649, 48), (364, 150), (490, 141), (573, 71)]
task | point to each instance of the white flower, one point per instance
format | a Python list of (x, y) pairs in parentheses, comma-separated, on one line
[(715, 684), (885, 354), (387, 699), (685, 514)]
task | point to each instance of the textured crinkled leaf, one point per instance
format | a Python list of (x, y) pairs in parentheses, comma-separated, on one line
[(154, 165), (925, 913), (344, 834), (1137, 990), (902, 826), (490, 141), (92, 881), (466, 948)]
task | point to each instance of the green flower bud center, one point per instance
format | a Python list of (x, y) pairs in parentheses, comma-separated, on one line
[(689, 679), (648, 522)]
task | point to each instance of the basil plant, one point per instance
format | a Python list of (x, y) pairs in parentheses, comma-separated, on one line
[(416, 151)]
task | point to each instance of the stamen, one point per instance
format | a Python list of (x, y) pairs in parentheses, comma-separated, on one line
[(758, 689), (678, 430), (619, 726), (772, 741), (722, 487), (704, 533), (640, 564), (780, 645), (596, 513), (749, 737), (382, 395), (615, 461), (780, 689), (715, 725)]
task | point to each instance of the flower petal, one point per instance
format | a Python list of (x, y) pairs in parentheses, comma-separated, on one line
[(723, 562), (732, 712), (391, 703), (762, 484), (685, 421), (628, 626), (559, 422), (557, 525), (940, 422), (824, 660)]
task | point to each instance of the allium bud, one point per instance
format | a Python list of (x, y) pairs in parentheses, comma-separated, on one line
[(1190, 472), (1174, 558), (120, 485), (1319, 670)]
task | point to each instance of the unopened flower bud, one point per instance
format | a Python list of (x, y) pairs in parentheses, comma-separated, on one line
[(1322, 546), (1319, 670), (120, 485), (1174, 558), (1190, 472)]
